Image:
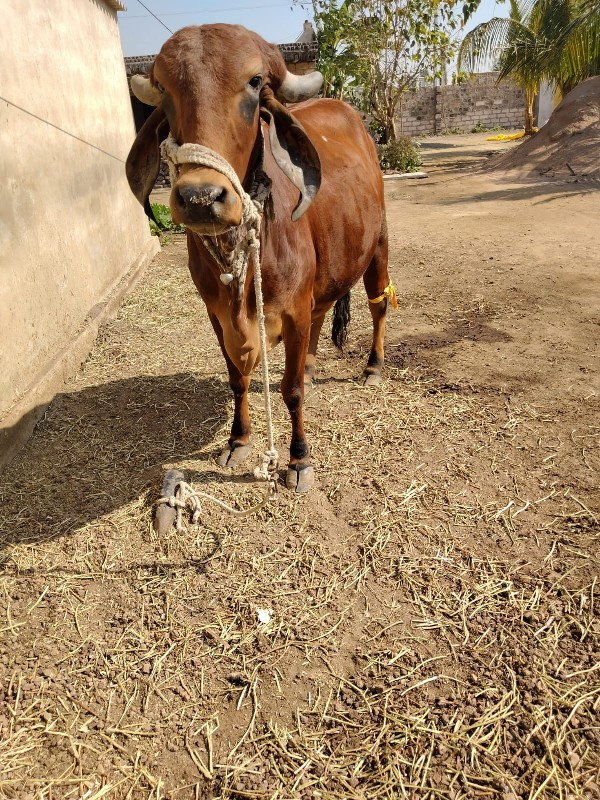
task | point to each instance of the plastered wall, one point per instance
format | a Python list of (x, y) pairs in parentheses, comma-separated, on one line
[(71, 233)]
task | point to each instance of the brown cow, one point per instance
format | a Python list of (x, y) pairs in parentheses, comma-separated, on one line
[(222, 86)]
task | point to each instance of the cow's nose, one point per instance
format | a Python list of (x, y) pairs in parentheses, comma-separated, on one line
[(206, 204), (194, 198)]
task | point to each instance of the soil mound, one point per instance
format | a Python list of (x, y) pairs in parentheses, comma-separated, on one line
[(568, 145)]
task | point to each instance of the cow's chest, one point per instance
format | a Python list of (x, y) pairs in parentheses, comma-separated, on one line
[(241, 338)]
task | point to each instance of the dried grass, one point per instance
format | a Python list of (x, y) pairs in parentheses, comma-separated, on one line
[(434, 630)]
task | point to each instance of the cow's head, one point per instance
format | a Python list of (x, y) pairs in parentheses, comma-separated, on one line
[(210, 84)]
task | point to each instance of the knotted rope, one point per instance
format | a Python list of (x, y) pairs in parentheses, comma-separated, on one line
[(248, 248), (185, 497)]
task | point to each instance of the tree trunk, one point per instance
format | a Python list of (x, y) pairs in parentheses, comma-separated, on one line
[(529, 99), (390, 133)]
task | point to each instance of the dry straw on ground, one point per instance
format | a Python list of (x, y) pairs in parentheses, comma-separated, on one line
[(434, 629)]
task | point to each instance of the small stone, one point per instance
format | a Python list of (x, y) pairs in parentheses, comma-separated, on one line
[(50, 673)]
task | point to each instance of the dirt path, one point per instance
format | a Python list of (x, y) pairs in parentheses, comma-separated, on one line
[(434, 623)]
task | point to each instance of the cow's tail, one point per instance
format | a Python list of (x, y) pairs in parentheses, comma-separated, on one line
[(341, 320)]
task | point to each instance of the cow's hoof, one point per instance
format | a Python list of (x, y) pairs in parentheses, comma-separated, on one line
[(371, 379), (300, 479), (234, 454)]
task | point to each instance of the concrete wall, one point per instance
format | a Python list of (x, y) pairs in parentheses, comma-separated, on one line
[(479, 101), (545, 103), (72, 236)]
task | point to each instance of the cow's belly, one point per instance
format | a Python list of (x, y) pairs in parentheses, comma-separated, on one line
[(345, 241)]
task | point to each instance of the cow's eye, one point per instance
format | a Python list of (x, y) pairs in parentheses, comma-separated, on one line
[(255, 82)]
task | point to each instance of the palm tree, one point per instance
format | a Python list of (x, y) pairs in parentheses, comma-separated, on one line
[(521, 49), (556, 40), (578, 52)]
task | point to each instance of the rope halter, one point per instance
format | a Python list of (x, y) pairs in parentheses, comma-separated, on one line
[(249, 247), (252, 208)]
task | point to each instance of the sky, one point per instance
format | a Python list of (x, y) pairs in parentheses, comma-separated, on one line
[(276, 21)]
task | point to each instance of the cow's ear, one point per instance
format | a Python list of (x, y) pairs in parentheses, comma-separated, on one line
[(293, 151), (143, 161)]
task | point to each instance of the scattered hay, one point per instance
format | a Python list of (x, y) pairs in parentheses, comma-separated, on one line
[(434, 629)]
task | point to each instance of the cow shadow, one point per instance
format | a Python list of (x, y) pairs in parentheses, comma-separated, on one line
[(99, 448)]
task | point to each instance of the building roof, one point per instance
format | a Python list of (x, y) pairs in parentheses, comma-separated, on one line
[(292, 53), (115, 5)]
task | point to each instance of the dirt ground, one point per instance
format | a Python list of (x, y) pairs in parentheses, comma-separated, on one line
[(433, 603)]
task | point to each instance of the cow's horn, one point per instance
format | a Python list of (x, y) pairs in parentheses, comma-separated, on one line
[(296, 88), (145, 91)]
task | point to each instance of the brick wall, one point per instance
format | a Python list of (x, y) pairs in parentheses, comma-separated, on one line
[(300, 58), (462, 107), (301, 67)]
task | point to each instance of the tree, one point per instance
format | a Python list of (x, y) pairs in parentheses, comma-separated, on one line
[(374, 50), (338, 60), (552, 40), (574, 54), (399, 42)]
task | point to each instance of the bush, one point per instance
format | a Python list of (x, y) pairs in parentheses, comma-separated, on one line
[(162, 214), (377, 131), (402, 155)]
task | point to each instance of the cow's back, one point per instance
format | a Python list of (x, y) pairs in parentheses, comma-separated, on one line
[(339, 135)]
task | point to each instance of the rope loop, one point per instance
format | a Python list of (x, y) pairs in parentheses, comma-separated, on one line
[(190, 153), (186, 498)]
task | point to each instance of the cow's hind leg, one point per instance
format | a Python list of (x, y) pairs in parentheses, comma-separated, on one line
[(296, 335), (309, 366), (238, 447), (376, 279)]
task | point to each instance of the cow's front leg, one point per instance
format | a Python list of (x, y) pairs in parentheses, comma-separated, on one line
[(296, 333), (238, 447)]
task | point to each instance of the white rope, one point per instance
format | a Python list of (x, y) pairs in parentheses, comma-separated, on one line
[(185, 497), (249, 247)]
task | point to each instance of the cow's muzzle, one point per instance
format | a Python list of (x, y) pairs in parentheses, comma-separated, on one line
[(205, 201)]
